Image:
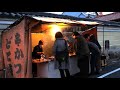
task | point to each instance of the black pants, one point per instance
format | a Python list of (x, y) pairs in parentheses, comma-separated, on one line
[(64, 73), (93, 63), (34, 69), (83, 64)]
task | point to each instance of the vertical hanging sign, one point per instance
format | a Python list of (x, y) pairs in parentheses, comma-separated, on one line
[(13, 51)]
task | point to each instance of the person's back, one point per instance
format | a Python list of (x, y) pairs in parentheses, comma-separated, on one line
[(94, 40), (95, 52), (95, 56), (94, 48), (60, 50), (60, 45), (82, 47)]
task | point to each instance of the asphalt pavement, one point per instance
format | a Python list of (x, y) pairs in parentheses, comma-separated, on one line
[(112, 70)]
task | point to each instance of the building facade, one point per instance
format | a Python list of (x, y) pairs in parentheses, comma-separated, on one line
[(110, 33)]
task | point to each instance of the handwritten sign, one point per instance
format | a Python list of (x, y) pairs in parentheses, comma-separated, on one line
[(13, 51)]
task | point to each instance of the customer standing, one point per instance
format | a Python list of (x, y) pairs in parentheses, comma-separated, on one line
[(95, 55), (82, 53), (61, 53), (94, 40), (98, 57)]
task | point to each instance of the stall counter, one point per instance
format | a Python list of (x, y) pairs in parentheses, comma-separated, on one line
[(45, 68)]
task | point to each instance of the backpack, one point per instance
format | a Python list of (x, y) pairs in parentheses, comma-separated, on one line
[(62, 56)]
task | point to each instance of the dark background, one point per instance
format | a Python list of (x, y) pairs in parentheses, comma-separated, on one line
[(59, 5)]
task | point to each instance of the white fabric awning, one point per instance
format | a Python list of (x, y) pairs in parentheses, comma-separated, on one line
[(58, 20)]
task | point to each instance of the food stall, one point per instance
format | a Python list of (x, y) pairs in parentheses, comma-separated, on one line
[(19, 39)]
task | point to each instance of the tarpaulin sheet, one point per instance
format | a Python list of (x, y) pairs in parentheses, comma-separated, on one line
[(17, 51), (13, 47)]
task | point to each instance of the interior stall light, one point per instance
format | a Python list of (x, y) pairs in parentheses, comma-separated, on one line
[(55, 28)]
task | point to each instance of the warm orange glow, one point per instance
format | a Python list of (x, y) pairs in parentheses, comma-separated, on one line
[(48, 36), (55, 28)]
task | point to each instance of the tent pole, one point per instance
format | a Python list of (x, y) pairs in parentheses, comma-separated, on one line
[(103, 38)]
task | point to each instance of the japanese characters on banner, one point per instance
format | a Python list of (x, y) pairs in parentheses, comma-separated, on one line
[(13, 51)]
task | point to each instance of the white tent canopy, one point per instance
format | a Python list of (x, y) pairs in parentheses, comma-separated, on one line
[(58, 20)]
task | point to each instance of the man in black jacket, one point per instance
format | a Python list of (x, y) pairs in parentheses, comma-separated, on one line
[(38, 50), (36, 54), (82, 53), (95, 53)]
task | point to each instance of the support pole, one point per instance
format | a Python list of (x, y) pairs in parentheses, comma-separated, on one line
[(103, 39)]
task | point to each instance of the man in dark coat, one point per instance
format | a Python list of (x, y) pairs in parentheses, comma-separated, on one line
[(95, 54), (82, 53), (38, 50), (36, 54)]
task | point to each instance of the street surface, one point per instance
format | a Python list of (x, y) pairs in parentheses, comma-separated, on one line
[(109, 71)]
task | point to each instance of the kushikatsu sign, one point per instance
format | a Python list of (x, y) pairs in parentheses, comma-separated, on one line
[(13, 51)]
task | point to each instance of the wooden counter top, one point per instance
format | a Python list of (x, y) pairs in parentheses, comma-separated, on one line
[(42, 60), (48, 59)]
